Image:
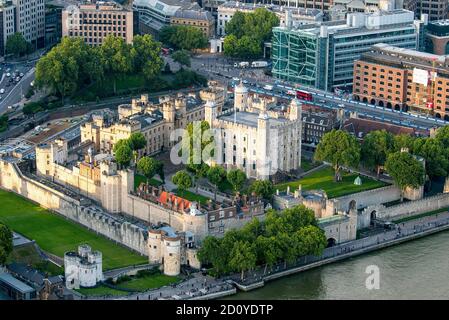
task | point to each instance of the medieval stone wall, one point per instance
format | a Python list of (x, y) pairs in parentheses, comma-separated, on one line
[(91, 217)]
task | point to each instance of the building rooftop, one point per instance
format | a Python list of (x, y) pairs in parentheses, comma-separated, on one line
[(167, 7), (358, 21), (361, 127), (193, 14), (401, 57), (248, 118), (15, 283), (331, 219)]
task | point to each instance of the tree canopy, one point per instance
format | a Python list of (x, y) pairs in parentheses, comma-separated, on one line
[(5, 243), (282, 236), (246, 33), (17, 45), (375, 148), (236, 178), (72, 64), (339, 148), (216, 175), (262, 188), (182, 57), (183, 37), (405, 170), (123, 153), (148, 167), (182, 180)]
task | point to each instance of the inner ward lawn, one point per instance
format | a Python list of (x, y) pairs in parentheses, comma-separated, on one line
[(138, 179), (57, 235), (324, 179)]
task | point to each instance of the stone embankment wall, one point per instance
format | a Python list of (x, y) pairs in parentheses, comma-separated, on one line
[(125, 233)]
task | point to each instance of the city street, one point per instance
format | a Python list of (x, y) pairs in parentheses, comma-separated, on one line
[(222, 69)]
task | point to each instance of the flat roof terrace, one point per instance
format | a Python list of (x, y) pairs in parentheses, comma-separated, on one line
[(248, 118)]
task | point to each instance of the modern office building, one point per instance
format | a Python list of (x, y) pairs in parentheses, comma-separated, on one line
[(435, 9), (437, 37), (53, 24), (404, 79), (7, 23), (30, 21), (155, 14), (94, 21), (322, 55)]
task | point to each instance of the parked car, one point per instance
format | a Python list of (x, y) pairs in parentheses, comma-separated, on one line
[(2, 91), (8, 74)]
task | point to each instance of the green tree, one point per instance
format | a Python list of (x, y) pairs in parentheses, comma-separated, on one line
[(230, 46), (16, 44), (435, 154), (247, 32), (116, 58), (213, 252), (339, 148), (182, 180), (199, 170), (248, 48), (216, 175), (182, 57), (287, 244), (137, 142), (148, 167), (236, 178), (236, 25), (375, 148), (145, 53), (262, 188), (405, 170), (311, 240), (242, 257), (6, 245), (403, 141), (123, 154), (268, 251), (68, 66), (442, 135), (183, 37)]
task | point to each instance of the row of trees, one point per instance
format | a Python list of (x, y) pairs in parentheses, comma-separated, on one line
[(381, 149), (183, 37), (5, 243), (283, 236), (73, 64), (246, 33)]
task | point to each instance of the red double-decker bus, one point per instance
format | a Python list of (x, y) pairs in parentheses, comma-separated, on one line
[(304, 95)]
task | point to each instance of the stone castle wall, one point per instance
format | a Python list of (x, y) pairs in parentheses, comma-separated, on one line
[(411, 208), (364, 199), (123, 232)]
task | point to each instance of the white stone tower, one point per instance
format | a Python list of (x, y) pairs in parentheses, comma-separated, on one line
[(240, 97), (154, 246), (210, 111), (172, 256)]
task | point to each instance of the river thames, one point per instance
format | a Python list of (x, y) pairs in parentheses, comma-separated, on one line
[(417, 269)]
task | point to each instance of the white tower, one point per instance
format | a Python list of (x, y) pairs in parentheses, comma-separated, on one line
[(240, 96), (210, 111), (263, 165)]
